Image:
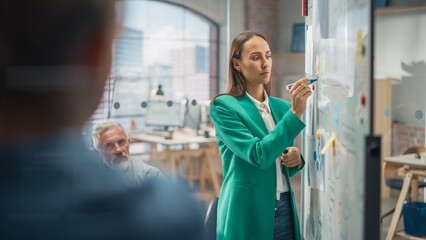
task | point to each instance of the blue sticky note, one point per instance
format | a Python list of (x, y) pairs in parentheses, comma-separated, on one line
[(336, 114), (418, 114)]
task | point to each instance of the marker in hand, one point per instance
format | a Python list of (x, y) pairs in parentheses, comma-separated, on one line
[(310, 81)]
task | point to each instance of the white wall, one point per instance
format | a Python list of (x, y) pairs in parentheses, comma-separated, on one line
[(400, 38), (217, 11), (290, 12), (288, 67)]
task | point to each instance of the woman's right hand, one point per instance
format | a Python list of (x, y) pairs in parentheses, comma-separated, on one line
[(299, 94)]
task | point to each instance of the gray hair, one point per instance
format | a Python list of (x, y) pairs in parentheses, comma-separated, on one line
[(100, 128)]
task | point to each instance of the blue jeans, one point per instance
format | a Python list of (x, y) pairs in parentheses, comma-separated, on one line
[(283, 226)]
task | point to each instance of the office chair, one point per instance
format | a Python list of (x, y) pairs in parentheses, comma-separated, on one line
[(210, 222), (394, 183)]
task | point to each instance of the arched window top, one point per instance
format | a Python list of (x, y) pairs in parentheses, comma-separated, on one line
[(160, 19), (160, 43), (160, 38)]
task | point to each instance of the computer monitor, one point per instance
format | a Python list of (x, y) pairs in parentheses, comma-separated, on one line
[(162, 113)]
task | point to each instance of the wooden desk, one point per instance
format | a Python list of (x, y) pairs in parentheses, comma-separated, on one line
[(411, 170), (172, 157)]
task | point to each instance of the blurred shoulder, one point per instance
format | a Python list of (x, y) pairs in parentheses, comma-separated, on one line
[(165, 209)]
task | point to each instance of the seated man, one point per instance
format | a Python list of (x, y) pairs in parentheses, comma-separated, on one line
[(112, 143)]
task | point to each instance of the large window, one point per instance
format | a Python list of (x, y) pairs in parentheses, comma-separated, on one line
[(160, 43)]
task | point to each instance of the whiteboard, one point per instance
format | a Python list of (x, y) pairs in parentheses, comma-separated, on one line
[(338, 118)]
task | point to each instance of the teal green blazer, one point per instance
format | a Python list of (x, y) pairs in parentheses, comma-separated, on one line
[(246, 207)]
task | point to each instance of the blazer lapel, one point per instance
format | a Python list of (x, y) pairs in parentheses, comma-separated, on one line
[(248, 105), (276, 113)]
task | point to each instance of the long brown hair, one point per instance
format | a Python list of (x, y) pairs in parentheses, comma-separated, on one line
[(237, 83)]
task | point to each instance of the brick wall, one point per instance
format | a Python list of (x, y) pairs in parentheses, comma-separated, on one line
[(262, 16), (404, 136)]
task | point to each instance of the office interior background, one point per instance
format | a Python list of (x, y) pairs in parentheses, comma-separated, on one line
[(181, 48)]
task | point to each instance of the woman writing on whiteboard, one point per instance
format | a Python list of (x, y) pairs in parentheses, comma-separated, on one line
[(253, 130)]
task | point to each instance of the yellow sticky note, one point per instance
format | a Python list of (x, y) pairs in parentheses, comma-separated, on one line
[(331, 142), (359, 46), (317, 65), (323, 63)]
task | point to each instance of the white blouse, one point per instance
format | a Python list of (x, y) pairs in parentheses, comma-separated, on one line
[(265, 112)]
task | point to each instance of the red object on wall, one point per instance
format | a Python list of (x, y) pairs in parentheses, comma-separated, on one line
[(363, 100), (304, 8)]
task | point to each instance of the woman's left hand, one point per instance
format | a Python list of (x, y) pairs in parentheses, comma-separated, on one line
[(291, 158)]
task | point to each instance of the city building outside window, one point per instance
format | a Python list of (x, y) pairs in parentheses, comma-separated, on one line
[(159, 43)]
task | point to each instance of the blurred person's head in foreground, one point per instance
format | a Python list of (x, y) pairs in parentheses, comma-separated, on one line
[(55, 57)]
